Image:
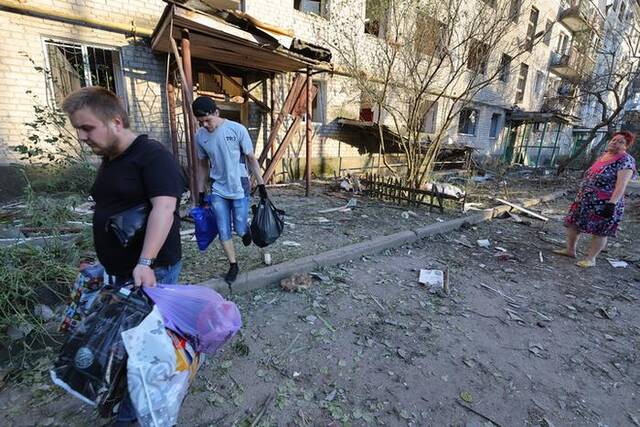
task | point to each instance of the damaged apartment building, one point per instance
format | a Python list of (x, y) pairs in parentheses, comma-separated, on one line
[(255, 57)]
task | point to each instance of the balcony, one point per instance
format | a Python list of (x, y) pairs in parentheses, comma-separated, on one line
[(571, 66), (580, 15)]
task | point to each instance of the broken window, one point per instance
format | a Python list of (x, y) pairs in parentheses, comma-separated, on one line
[(430, 35), (478, 56), (547, 32), (505, 68), (495, 125), (73, 66), (430, 122), (467, 121), (522, 82), (310, 6), (531, 29)]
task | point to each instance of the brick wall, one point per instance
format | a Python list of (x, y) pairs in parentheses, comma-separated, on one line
[(144, 73)]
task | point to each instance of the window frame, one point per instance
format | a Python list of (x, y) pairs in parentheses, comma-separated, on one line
[(548, 32), (522, 81), (118, 75), (430, 118), (320, 98), (475, 122), (323, 6), (494, 131), (531, 28), (538, 84), (479, 56), (505, 68)]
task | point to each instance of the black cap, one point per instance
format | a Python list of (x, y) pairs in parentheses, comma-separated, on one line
[(203, 106)]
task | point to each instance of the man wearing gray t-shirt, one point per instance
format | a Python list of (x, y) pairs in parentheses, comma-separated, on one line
[(225, 151)]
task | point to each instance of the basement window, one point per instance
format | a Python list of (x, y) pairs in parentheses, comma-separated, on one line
[(73, 66)]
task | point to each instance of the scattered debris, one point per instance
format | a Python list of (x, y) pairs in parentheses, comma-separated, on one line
[(291, 243), (514, 316), (484, 243), (407, 214), (617, 263), (521, 209), (352, 203), (432, 278), (44, 312), (607, 312), (478, 413), (296, 283)]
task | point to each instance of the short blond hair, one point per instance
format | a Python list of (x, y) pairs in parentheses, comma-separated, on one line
[(102, 102)]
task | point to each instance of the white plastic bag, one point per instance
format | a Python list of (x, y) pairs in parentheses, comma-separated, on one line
[(155, 387)]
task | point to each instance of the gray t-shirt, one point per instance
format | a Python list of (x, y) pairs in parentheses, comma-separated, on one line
[(226, 148)]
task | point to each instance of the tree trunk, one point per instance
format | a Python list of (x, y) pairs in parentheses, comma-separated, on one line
[(562, 166)]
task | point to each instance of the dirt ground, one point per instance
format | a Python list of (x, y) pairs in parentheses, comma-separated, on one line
[(524, 338), (308, 231)]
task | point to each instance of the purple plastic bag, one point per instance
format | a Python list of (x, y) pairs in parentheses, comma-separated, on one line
[(197, 313)]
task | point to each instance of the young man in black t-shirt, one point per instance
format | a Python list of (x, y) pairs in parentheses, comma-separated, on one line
[(135, 170)]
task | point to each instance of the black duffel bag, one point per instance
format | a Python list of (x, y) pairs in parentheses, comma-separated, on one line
[(267, 223)]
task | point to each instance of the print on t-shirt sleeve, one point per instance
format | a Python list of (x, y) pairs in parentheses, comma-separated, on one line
[(162, 175), (245, 141), (202, 154)]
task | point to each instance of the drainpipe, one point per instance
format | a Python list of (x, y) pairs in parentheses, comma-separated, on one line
[(72, 18)]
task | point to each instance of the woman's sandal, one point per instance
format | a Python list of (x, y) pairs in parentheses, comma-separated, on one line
[(563, 252), (584, 263)]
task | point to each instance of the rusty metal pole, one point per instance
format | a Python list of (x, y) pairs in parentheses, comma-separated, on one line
[(185, 43), (308, 136), (173, 123)]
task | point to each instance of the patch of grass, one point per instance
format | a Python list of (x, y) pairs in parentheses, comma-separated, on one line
[(73, 179), (27, 270)]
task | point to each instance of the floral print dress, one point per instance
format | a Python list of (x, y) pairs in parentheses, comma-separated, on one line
[(599, 182)]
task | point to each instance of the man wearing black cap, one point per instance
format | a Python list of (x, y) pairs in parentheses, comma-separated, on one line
[(225, 151)]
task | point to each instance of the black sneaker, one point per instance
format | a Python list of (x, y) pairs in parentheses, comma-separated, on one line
[(246, 239), (232, 274)]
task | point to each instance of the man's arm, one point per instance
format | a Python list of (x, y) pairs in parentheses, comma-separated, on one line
[(203, 175), (159, 224), (254, 167)]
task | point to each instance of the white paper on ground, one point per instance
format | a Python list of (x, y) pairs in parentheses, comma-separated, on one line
[(432, 278)]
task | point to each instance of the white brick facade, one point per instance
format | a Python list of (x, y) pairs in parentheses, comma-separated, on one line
[(143, 72)]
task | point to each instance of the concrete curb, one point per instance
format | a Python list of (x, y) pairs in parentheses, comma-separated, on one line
[(271, 276)]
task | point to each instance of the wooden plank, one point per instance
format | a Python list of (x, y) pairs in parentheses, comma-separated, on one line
[(281, 149), (287, 107), (520, 208)]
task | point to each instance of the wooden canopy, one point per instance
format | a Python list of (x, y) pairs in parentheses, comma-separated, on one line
[(214, 39)]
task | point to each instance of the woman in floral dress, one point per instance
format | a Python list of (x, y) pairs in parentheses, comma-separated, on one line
[(598, 207)]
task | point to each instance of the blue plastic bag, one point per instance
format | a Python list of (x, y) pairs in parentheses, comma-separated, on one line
[(206, 226), (197, 313)]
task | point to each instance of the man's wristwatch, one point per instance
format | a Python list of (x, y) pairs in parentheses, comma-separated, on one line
[(146, 261)]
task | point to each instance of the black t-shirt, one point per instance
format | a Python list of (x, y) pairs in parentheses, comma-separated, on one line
[(145, 170)]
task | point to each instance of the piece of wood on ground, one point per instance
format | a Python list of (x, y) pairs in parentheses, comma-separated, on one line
[(522, 209)]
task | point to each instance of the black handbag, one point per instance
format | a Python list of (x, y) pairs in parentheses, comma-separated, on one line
[(128, 226)]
